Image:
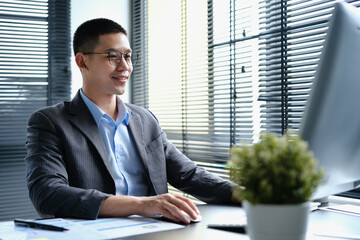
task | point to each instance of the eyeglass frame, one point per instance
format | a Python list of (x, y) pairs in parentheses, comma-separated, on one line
[(133, 55)]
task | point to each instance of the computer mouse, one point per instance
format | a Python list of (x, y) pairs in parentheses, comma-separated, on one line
[(197, 219)]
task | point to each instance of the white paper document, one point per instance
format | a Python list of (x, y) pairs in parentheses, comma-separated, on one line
[(102, 228), (346, 209), (333, 230)]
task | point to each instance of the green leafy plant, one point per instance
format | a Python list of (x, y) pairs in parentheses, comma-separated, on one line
[(276, 170)]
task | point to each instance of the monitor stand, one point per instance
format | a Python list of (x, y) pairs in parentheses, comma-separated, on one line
[(322, 201)]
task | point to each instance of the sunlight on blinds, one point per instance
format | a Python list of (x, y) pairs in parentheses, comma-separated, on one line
[(195, 67), (178, 66), (202, 74), (164, 62)]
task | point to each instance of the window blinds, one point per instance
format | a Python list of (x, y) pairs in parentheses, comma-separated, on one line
[(34, 45), (139, 39), (199, 75), (289, 52), (220, 72)]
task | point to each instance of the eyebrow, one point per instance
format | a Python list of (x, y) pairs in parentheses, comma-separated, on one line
[(128, 50)]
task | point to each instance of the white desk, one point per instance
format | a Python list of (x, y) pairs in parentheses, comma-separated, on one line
[(320, 219), (322, 222)]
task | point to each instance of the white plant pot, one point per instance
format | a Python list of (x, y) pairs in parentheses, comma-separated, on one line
[(277, 222)]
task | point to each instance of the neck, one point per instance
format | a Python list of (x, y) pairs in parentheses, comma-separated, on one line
[(107, 103)]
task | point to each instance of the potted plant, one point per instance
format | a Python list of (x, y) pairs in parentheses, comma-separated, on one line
[(278, 175)]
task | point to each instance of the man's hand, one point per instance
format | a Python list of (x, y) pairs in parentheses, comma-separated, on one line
[(169, 205), (236, 193)]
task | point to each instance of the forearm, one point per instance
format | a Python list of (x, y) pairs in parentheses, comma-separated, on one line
[(51, 196), (198, 182), (168, 205), (120, 206)]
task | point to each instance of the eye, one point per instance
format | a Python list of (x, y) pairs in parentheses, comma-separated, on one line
[(112, 56), (127, 56)]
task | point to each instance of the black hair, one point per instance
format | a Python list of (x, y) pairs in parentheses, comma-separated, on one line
[(86, 36)]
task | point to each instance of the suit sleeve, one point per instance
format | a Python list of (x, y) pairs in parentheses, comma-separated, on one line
[(183, 174), (186, 176), (47, 176)]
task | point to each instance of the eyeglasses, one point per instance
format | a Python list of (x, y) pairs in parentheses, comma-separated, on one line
[(115, 57)]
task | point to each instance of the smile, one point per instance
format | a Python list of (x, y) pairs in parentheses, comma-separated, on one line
[(120, 78)]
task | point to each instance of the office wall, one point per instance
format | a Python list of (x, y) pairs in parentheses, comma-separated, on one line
[(82, 10)]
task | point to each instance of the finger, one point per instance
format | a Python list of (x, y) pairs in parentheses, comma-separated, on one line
[(191, 204), (168, 205), (175, 213), (185, 204), (171, 216)]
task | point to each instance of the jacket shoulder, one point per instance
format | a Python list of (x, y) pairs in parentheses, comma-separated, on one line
[(53, 110)]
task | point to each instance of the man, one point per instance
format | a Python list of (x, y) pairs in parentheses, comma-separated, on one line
[(96, 156)]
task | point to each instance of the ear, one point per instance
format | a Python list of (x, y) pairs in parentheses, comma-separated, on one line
[(80, 60)]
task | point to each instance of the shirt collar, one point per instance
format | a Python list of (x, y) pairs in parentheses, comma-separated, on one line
[(123, 114)]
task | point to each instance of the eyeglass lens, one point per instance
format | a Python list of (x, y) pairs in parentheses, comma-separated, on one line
[(115, 58)]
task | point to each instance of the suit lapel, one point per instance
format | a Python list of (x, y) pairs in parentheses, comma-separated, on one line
[(136, 130), (81, 118)]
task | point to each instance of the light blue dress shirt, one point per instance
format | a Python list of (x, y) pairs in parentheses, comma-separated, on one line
[(125, 166)]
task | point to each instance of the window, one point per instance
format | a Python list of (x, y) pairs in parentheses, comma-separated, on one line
[(218, 73), (34, 63)]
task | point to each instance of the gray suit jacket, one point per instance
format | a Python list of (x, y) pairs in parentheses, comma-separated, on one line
[(67, 171)]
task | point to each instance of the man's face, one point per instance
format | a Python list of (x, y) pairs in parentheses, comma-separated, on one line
[(104, 78)]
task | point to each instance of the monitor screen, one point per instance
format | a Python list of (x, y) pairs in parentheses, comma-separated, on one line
[(331, 121)]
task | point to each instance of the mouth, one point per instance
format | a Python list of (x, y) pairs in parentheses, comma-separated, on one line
[(120, 78)]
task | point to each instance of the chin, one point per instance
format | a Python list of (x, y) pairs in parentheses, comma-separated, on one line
[(120, 92)]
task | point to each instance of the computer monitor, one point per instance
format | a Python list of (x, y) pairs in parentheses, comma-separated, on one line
[(331, 121)]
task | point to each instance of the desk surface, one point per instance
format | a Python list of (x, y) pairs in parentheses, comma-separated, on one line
[(198, 231), (324, 222)]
